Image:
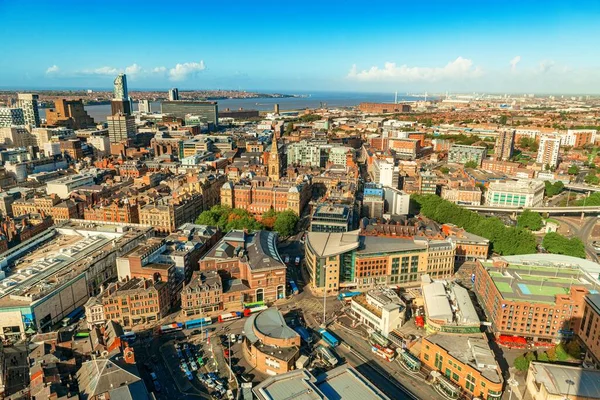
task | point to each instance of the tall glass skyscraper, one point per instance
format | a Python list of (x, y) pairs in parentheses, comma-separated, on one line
[(120, 104), (120, 88)]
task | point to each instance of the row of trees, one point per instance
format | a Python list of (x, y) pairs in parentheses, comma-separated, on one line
[(227, 219), (552, 189), (528, 143), (530, 220), (558, 244), (504, 240), (559, 353)]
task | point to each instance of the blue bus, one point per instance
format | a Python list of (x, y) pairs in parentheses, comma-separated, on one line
[(329, 338), (304, 334), (198, 323), (294, 287)]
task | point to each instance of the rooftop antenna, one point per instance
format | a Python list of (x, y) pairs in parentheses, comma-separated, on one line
[(396, 98)]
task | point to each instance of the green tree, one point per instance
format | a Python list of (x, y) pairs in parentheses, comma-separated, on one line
[(561, 353), (543, 357), (552, 189), (573, 349), (556, 243), (444, 170), (242, 219), (310, 117), (573, 170), (521, 364), (503, 119), (504, 240), (530, 220), (471, 164), (591, 178), (285, 223), (289, 128), (216, 216)]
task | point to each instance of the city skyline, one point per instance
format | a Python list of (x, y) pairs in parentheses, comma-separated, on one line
[(463, 47)]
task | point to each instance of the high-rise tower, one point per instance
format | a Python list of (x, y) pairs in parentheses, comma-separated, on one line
[(274, 160), (173, 94), (120, 88), (120, 103), (29, 103)]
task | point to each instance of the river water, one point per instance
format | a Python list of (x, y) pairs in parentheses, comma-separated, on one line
[(330, 99)]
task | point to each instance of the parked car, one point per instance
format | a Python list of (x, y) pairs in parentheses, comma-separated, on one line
[(157, 386), (225, 353), (196, 332)]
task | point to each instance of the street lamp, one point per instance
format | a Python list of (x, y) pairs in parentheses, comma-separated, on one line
[(513, 384), (569, 382)]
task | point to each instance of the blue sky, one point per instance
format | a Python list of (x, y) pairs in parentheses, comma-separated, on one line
[(435, 46)]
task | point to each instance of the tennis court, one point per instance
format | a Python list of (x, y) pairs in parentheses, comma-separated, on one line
[(503, 287), (543, 290)]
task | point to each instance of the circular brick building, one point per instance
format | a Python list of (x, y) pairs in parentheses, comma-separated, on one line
[(270, 345)]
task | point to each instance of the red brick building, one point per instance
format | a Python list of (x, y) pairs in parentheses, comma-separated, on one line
[(116, 211), (384, 108), (535, 302), (249, 266)]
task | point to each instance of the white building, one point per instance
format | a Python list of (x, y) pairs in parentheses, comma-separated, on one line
[(380, 309), (338, 155), (52, 149), (548, 151), (522, 193), (144, 107), (64, 186), (101, 144), (94, 312), (572, 137), (530, 133), (385, 172), (397, 201)]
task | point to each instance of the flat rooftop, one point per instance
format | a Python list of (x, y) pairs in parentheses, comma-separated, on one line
[(554, 378), (68, 251), (374, 245), (48, 266), (537, 282), (343, 382), (472, 350)]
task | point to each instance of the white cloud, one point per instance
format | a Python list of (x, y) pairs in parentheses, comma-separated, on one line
[(159, 70), (545, 66), (461, 68), (133, 69), (101, 71), (514, 62), (183, 71), (53, 69)]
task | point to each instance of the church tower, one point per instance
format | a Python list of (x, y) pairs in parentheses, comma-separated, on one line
[(274, 161)]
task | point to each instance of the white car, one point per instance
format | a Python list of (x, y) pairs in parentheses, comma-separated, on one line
[(233, 338)]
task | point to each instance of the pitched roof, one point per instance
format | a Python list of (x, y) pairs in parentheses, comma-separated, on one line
[(99, 376)]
